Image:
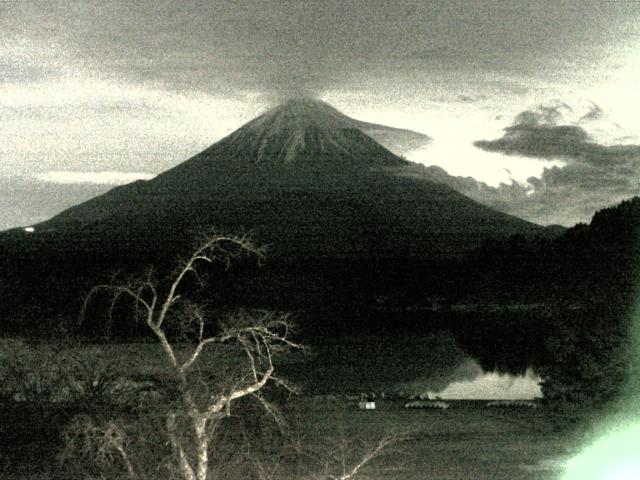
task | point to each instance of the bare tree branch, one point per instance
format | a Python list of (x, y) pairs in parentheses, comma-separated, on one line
[(260, 336)]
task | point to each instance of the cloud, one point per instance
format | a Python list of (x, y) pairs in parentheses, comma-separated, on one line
[(84, 123), (561, 195), (529, 137), (545, 141), (99, 178), (595, 113), (593, 174), (288, 47)]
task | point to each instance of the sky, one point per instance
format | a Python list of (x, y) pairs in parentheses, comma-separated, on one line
[(531, 105)]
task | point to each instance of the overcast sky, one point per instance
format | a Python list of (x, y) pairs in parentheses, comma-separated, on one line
[(93, 94)]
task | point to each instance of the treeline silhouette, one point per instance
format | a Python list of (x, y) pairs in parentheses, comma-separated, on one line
[(588, 281)]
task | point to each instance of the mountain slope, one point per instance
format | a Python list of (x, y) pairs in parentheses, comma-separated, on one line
[(340, 226), (298, 115), (302, 179)]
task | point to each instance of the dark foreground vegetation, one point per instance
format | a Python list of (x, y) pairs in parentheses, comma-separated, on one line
[(468, 440), (163, 411)]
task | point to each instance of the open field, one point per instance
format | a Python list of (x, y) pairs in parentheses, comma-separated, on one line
[(466, 441)]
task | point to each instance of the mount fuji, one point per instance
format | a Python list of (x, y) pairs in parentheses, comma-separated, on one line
[(343, 227), (303, 179)]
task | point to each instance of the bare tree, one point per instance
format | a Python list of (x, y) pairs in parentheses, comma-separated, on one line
[(336, 466), (347, 456), (259, 336), (194, 349)]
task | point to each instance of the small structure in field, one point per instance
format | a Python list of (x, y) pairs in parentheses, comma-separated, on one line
[(512, 404), (428, 396), (439, 405), (366, 405)]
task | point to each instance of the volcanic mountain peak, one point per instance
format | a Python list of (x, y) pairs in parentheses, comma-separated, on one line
[(299, 136), (296, 127), (310, 128), (304, 178), (301, 113)]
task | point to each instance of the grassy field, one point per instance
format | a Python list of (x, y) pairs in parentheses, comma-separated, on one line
[(466, 441)]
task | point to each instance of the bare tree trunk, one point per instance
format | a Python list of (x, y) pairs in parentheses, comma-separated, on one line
[(203, 448), (183, 461)]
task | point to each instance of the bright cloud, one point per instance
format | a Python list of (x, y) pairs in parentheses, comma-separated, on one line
[(100, 178), (453, 124)]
